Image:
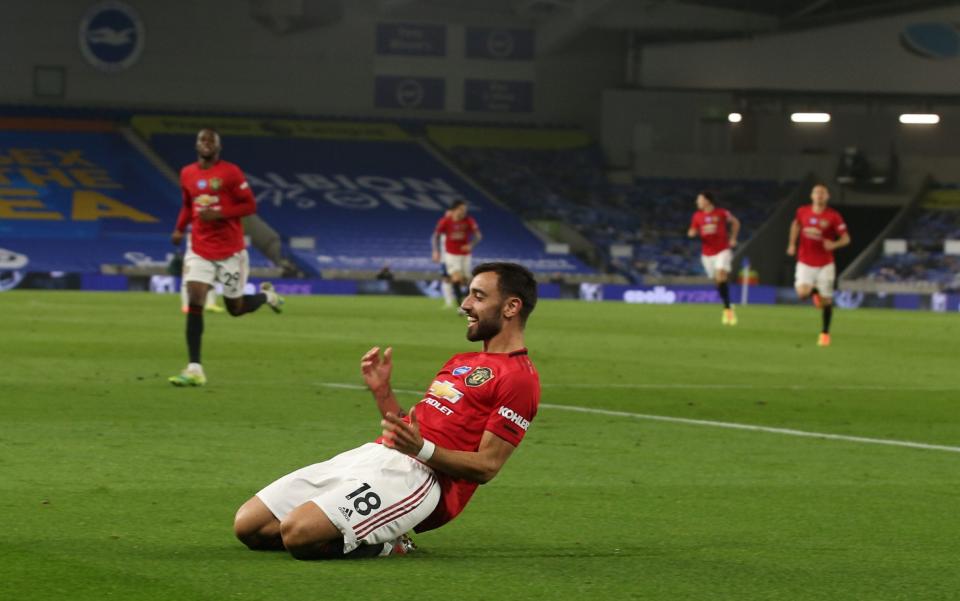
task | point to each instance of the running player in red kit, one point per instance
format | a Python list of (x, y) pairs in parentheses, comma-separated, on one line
[(462, 235), (215, 198), (820, 230), (426, 465), (710, 223)]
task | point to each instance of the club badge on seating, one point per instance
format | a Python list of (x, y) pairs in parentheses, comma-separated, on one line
[(479, 377)]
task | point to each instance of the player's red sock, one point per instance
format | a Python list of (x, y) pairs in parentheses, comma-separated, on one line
[(194, 331)]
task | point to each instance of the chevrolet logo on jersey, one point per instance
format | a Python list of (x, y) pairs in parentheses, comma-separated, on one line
[(445, 390), (205, 200)]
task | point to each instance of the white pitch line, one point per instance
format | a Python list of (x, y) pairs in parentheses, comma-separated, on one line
[(710, 423), (754, 428), (678, 386)]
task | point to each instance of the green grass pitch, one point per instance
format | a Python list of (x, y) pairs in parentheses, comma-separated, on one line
[(115, 485)]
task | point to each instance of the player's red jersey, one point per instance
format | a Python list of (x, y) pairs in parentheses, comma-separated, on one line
[(223, 188), (458, 232), (473, 393), (712, 227), (814, 229)]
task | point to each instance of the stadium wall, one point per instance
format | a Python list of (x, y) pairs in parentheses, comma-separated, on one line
[(685, 133), (916, 53), (316, 69)]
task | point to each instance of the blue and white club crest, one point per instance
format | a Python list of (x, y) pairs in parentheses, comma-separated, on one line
[(112, 36), (461, 370)]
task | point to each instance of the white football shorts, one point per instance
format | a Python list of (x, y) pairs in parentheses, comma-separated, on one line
[(723, 260), (232, 272), (457, 263), (372, 494), (820, 277)]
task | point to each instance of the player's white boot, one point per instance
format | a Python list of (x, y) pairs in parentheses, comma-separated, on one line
[(402, 545), (274, 300)]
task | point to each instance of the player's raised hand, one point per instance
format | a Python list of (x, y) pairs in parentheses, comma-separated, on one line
[(376, 370)]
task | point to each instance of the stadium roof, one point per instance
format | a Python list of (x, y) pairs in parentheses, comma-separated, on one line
[(557, 21)]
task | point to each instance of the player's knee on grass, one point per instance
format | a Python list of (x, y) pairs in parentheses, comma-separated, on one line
[(256, 527), (234, 306), (307, 532)]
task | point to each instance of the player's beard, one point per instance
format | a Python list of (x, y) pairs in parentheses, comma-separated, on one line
[(486, 327)]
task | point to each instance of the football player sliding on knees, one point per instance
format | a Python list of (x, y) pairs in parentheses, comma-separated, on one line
[(427, 463), (820, 230), (216, 197)]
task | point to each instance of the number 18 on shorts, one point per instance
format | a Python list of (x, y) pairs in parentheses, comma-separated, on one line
[(372, 494)]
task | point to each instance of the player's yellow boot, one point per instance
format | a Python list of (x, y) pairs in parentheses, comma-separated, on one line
[(729, 318), (824, 339), (214, 308), (191, 376)]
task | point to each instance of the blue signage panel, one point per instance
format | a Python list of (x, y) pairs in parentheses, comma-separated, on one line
[(678, 295), (425, 93), (368, 204), (500, 43), (498, 96), (411, 39)]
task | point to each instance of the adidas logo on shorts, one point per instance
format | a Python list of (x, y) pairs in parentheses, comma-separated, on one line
[(347, 513)]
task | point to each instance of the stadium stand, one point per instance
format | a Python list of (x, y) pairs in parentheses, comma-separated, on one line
[(354, 196), (76, 196), (568, 182), (925, 259)]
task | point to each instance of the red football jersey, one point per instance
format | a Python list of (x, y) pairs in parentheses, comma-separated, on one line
[(814, 229), (474, 393), (712, 227), (223, 188), (459, 233)]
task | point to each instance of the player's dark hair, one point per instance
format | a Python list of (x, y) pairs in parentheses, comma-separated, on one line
[(818, 184), (513, 280), (212, 130), (709, 195), (458, 203)]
